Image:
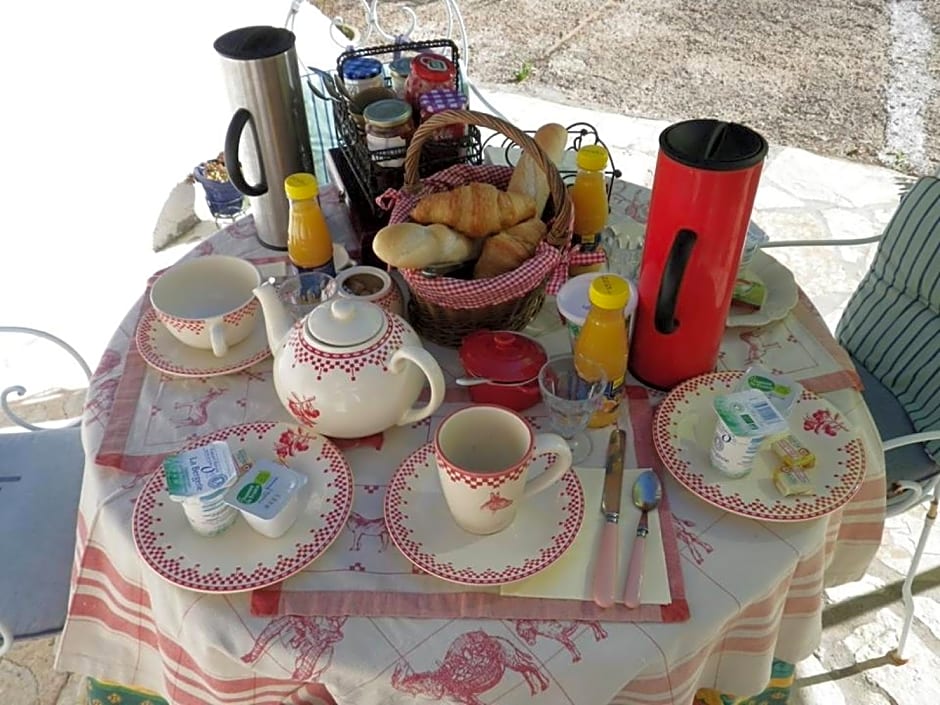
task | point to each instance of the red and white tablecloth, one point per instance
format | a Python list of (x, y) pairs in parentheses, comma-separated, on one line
[(754, 589)]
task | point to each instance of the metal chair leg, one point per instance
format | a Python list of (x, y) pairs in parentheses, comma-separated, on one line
[(907, 594)]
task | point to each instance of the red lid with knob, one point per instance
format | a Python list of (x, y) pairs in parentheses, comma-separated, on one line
[(502, 356)]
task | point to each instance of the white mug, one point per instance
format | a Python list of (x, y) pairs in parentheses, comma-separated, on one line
[(208, 302), (483, 455)]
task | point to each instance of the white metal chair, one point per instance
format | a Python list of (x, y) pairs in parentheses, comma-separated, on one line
[(891, 329), (40, 484)]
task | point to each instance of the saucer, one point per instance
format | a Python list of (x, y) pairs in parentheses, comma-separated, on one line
[(421, 526), (684, 427), (782, 293), (163, 352), (242, 559)]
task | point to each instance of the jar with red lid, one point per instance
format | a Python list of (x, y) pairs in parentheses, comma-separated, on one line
[(510, 362), (429, 72)]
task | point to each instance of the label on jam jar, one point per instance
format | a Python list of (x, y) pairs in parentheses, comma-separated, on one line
[(377, 144)]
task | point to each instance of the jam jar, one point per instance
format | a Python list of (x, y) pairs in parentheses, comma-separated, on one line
[(429, 72), (360, 73), (398, 71), (389, 126)]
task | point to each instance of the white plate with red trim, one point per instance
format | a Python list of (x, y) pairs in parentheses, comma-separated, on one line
[(424, 531), (165, 353), (782, 294), (683, 429), (241, 559)]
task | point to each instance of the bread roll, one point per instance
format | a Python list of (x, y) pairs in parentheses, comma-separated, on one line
[(414, 246), (527, 178)]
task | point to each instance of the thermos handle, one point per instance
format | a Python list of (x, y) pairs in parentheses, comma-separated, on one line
[(234, 167), (668, 297)]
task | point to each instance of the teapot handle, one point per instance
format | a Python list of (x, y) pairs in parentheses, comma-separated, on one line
[(428, 365)]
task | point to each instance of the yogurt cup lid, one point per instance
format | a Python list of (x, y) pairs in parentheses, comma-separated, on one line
[(749, 413), (199, 472), (265, 490)]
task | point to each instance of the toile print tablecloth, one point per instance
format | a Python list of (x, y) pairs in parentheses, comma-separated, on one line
[(754, 589)]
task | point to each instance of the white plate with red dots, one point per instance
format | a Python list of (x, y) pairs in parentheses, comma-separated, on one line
[(422, 527), (242, 559), (683, 430)]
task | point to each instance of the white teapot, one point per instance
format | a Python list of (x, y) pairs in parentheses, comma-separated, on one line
[(349, 368)]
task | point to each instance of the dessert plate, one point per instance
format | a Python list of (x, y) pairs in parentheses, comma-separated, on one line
[(683, 429), (782, 293), (424, 531), (163, 352), (241, 559)]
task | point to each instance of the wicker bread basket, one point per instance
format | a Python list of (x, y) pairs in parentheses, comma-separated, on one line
[(444, 309)]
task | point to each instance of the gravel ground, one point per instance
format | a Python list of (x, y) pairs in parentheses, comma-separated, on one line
[(855, 79)]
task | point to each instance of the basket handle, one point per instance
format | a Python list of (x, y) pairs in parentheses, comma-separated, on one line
[(559, 233)]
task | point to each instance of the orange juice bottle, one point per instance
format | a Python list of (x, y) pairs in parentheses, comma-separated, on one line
[(589, 198), (603, 340), (309, 244)]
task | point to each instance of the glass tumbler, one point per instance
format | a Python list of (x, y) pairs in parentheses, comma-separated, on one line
[(303, 291), (571, 397)]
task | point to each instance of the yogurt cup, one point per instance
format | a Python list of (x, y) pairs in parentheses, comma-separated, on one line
[(573, 304), (198, 479), (745, 420), (268, 497)]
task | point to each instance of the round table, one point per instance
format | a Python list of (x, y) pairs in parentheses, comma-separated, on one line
[(754, 589)]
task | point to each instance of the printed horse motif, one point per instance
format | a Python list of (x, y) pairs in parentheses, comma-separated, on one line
[(560, 631), (312, 638), (756, 347), (196, 412), (474, 663), (360, 526)]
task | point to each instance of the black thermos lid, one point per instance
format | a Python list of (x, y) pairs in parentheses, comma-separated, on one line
[(713, 145), (250, 43)]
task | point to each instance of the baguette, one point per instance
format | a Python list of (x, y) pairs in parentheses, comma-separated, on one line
[(413, 246), (527, 178)]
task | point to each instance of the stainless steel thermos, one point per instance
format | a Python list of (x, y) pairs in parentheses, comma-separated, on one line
[(265, 91)]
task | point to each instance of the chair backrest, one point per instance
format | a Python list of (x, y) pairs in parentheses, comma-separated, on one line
[(891, 324)]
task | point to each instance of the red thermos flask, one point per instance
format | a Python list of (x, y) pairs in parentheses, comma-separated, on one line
[(706, 178)]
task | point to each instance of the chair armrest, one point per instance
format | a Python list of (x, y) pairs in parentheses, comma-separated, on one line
[(20, 390), (910, 439), (819, 243)]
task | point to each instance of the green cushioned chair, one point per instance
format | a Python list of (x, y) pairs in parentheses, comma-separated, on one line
[(40, 483)]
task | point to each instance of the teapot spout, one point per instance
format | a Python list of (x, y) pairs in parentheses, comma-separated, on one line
[(277, 320)]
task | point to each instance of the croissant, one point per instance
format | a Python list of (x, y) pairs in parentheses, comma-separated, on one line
[(505, 251), (475, 209)]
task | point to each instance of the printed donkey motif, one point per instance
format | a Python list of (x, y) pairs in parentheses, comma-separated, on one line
[(756, 347), (360, 526), (695, 544), (196, 412), (474, 663), (560, 631), (312, 638)]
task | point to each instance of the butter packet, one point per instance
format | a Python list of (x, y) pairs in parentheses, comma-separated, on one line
[(781, 390), (793, 482), (792, 453)]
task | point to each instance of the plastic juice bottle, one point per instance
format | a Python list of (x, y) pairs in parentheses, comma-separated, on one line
[(309, 244), (603, 340), (589, 197)]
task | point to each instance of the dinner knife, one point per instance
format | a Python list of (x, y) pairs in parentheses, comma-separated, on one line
[(605, 567)]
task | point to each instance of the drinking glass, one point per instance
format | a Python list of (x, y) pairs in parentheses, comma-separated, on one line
[(572, 394), (305, 290)]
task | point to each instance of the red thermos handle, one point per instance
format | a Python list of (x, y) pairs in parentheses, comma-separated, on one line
[(668, 297)]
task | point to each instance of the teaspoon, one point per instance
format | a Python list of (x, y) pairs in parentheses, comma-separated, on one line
[(647, 491)]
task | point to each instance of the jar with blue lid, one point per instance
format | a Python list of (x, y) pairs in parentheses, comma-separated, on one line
[(361, 73)]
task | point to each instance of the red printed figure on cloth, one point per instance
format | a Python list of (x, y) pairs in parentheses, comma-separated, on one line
[(311, 638), (474, 663), (196, 412), (560, 631), (360, 527)]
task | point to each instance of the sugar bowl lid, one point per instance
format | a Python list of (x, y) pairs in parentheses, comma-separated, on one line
[(502, 356), (345, 323)]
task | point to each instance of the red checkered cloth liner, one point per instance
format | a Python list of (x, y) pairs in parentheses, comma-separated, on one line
[(548, 262)]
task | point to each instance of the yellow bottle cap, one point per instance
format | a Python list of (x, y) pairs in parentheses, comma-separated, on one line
[(592, 157), (301, 186), (609, 291)]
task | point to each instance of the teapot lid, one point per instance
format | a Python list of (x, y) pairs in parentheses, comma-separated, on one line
[(344, 323)]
